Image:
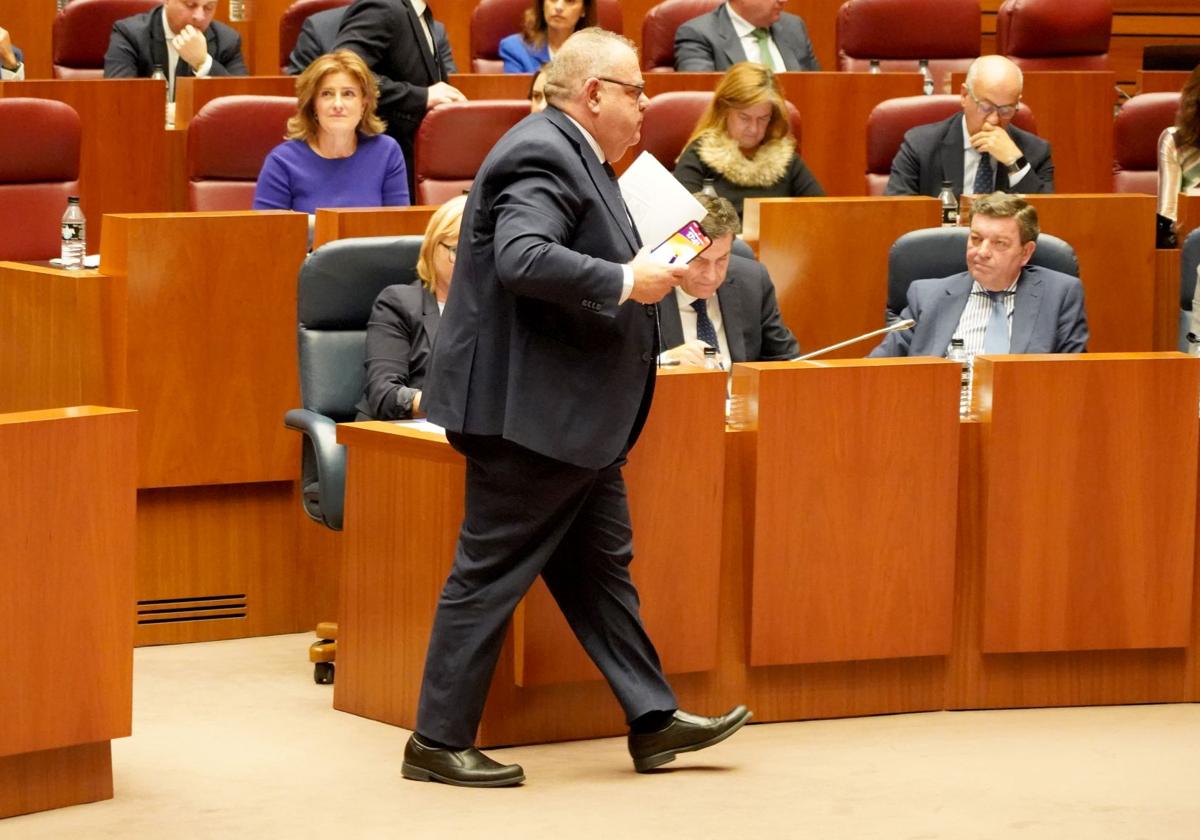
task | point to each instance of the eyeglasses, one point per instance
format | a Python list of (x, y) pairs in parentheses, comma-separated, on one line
[(1005, 112), (452, 249), (640, 89)]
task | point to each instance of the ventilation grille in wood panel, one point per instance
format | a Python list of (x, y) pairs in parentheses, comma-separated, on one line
[(196, 608)]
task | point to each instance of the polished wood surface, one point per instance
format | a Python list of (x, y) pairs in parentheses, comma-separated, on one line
[(1108, 565), (69, 557), (52, 337), (123, 155), (493, 85), (854, 530), (193, 93), (370, 221), (675, 501), (1161, 81), (209, 341), (222, 562), (1074, 112), (832, 286)]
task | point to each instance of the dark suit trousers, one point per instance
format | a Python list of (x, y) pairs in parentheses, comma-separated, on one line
[(526, 515)]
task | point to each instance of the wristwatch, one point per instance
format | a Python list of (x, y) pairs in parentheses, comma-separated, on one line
[(1017, 165)]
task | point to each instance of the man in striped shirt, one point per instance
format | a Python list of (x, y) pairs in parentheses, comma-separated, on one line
[(1000, 304)]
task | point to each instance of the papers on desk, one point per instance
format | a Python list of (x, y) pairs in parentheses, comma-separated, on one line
[(89, 261), (421, 426), (660, 205)]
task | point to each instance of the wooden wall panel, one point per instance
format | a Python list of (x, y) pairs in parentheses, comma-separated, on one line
[(39, 781), (391, 221)]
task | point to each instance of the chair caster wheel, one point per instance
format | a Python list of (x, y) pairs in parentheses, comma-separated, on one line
[(323, 673)]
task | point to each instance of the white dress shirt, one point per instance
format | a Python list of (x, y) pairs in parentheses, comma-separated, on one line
[(419, 6), (745, 32), (972, 324), (688, 318)]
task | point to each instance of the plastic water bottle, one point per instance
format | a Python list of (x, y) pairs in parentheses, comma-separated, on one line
[(949, 205), (958, 353), (873, 68), (74, 234), (927, 85), (711, 360), (708, 188)]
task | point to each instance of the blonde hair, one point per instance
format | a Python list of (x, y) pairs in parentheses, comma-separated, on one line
[(304, 125), (745, 85), (443, 224)]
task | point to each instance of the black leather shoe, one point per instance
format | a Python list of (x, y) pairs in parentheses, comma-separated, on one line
[(467, 768), (685, 732)]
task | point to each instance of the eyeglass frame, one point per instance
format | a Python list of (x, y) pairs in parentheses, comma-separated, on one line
[(988, 108), (641, 89), (452, 249)]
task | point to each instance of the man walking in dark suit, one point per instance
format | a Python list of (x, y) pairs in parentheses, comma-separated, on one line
[(319, 33), (542, 376), (978, 151), (396, 38), (181, 37), (745, 30), (725, 301)]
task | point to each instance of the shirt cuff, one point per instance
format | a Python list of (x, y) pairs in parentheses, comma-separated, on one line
[(626, 284), (14, 75), (1019, 175), (205, 68)]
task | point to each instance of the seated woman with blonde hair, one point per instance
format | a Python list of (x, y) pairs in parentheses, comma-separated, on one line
[(744, 142), (335, 154), (404, 322)]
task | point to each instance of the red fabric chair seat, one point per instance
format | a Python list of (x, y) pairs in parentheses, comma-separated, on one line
[(293, 18), (658, 31), (453, 141), (1135, 141), (1055, 35), (228, 140), (81, 33)]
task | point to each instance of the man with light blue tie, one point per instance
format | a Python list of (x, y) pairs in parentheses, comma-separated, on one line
[(1000, 304), (979, 150)]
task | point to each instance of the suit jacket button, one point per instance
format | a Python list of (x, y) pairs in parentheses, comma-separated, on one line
[(650, 308), (647, 357)]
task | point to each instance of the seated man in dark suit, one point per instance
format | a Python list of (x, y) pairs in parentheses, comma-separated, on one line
[(181, 37), (724, 301), (319, 33), (999, 304), (12, 63), (744, 30), (978, 151)]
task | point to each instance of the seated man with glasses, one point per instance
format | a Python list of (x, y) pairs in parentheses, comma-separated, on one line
[(979, 151)]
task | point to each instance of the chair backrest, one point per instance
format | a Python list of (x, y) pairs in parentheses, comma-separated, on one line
[(890, 119), (670, 118), (1135, 141), (898, 34), (39, 168), (453, 141), (942, 251), (337, 285), (658, 30), (293, 18), (492, 20), (228, 140), (1053, 35), (81, 33)]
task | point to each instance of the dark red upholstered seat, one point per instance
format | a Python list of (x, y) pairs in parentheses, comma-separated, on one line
[(1055, 35), (293, 18), (890, 119), (658, 30), (228, 140), (899, 33), (81, 32), (492, 20), (670, 119), (1135, 141), (39, 168), (453, 141)]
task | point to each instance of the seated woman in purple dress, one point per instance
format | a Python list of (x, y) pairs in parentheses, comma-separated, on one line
[(548, 23), (336, 154)]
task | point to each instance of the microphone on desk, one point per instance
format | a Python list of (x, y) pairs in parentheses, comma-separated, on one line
[(891, 328)]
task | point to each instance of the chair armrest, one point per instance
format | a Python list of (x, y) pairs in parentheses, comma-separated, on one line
[(328, 458)]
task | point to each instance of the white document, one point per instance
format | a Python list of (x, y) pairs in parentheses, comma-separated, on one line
[(658, 203)]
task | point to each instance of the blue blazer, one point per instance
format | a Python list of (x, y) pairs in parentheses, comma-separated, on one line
[(519, 57), (709, 43), (1048, 316), (533, 345)]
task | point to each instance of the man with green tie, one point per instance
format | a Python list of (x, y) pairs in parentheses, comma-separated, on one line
[(745, 30)]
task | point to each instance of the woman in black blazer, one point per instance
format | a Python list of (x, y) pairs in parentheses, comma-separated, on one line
[(404, 322)]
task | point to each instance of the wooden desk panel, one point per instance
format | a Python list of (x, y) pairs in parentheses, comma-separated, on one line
[(828, 260), (123, 156), (69, 556), (192, 93), (1114, 240), (52, 337), (210, 342), (1161, 81), (1089, 527), (854, 530), (492, 85), (373, 221), (1074, 112)]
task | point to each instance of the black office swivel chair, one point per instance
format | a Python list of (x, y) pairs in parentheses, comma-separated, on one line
[(338, 283), (942, 251), (1189, 260)]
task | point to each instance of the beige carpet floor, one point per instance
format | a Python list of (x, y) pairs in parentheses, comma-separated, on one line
[(233, 739)]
